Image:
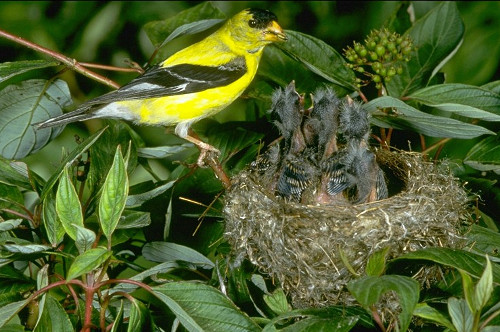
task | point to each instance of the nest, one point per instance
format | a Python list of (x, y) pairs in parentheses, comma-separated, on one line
[(300, 245)]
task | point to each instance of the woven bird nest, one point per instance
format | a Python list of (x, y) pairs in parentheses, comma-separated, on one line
[(319, 202), (300, 244)]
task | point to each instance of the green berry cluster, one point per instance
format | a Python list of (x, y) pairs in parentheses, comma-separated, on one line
[(380, 57)]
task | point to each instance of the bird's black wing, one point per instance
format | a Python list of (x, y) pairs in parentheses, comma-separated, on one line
[(179, 79)]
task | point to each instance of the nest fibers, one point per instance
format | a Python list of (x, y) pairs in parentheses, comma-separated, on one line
[(301, 244)]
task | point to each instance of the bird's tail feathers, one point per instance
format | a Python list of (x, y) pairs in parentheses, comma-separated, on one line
[(77, 115)]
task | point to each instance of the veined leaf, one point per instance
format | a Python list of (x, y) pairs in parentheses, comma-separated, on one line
[(114, 195), (425, 311), (485, 155), (454, 93), (139, 318), (460, 315), (53, 318), (161, 152), (81, 148), (10, 310), (88, 261), (11, 69), (68, 205), (277, 302), (24, 104), (203, 308), (84, 238), (171, 252), (11, 174), (436, 37), (330, 65), (52, 224), (459, 259), (367, 291), (189, 21), (407, 117)]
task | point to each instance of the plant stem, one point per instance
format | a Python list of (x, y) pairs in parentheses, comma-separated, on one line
[(71, 63)]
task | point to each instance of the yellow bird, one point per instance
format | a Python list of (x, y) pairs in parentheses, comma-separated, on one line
[(192, 84)]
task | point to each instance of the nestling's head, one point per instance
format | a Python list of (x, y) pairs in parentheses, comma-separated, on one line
[(256, 28)]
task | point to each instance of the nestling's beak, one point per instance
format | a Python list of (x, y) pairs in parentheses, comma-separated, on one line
[(274, 32)]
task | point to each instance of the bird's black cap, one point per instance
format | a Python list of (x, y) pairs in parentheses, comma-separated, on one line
[(261, 18)]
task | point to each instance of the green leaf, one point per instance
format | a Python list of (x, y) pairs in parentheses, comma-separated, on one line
[(81, 148), (316, 324), (139, 318), (25, 249), (277, 302), (484, 287), (118, 322), (232, 140), (376, 263), (330, 65), (12, 174), (468, 287), (11, 69), (468, 111), (53, 318), (436, 36), (24, 104), (7, 225), (157, 269), (171, 252), (52, 224), (485, 155), (403, 116), (68, 205), (484, 239), (42, 280), (460, 315), (203, 308), (368, 290), (161, 152), (492, 86), (341, 315), (114, 195), (88, 261), (139, 199), (104, 150), (491, 329), (8, 311), (134, 219), (189, 21), (84, 238), (459, 259), (455, 93), (425, 311)]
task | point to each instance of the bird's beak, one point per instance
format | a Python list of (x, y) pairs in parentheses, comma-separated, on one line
[(274, 33)]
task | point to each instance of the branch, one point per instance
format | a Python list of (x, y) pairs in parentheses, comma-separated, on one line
[(69, 62)]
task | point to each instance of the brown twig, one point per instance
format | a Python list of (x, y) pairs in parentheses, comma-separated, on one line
[(71, 63), (436, 145)]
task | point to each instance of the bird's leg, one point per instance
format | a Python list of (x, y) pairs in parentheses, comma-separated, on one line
[(208, 157), (205, 148)]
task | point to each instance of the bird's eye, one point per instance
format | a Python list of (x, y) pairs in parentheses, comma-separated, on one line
[(252, 23)]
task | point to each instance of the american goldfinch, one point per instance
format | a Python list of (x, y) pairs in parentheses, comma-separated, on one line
[(192, 84)]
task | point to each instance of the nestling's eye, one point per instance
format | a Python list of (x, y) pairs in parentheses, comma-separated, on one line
[(252, 23)]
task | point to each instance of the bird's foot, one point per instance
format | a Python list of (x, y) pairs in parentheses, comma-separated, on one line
[(208, 155)]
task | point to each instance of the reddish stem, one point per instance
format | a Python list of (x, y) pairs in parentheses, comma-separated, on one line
[(71, 63)]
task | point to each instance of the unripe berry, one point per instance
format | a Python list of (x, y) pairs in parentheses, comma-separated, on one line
[(380, 50)]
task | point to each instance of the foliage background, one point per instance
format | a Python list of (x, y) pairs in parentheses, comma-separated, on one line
[(109, 32)]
